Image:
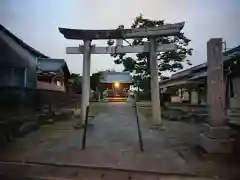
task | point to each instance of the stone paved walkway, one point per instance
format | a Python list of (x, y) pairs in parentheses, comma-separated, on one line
[(112, 141)]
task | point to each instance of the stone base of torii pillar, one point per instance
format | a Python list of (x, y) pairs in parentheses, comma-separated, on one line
[(215, 137)]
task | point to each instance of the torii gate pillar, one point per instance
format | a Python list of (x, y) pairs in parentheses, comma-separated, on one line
[(155, 99), (85, 79)]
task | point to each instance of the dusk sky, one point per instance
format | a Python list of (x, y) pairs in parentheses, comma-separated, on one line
[(36, 22)]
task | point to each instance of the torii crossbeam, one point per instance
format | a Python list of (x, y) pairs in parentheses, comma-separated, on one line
[(165, 30), (88, 35), (121, 49)]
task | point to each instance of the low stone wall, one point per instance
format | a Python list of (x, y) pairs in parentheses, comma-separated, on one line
[(180, 112), (188, 107), (188, 112)]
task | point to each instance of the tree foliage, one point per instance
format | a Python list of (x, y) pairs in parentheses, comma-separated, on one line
[(95, 80), (167, 61), (75, 82)]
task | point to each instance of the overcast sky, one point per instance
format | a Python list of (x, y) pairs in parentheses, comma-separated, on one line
[(36, 22)]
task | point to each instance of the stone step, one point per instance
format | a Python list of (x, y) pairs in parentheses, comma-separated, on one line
[(117, 99)]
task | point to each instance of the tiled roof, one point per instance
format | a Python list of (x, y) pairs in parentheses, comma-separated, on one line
[(45, 63), (199, 71), (232, 51), (120, 77), (189, 70), (52, 65), (21, 43)]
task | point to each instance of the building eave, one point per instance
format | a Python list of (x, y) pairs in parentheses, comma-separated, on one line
[(30, 49), (200, 71)]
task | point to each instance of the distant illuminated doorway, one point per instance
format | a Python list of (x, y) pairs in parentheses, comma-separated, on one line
[(116, 89)]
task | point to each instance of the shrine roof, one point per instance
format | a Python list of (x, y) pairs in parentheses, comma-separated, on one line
[(112, 77), (200, 71)]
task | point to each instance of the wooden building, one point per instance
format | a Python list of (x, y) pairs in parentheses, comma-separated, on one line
[(190, 85), (52, 74), (117, 84)]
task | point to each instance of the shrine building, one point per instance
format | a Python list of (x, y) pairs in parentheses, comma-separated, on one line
[(117, 84)]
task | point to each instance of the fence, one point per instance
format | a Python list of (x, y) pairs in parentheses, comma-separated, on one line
[(21, 109), (21, 101)]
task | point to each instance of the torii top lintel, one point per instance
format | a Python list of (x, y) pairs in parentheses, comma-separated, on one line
[(80, 34)]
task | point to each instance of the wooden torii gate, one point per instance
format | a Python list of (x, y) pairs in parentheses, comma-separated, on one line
[(119, 34)]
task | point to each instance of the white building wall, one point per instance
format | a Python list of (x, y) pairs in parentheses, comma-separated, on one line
[(194, 97)]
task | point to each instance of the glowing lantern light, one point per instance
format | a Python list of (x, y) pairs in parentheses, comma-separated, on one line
[(116, 84)]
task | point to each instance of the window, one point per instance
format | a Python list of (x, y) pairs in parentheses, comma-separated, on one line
[(12, 76), (59, 83)]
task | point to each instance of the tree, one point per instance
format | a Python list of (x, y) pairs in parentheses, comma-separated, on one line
[(95, 83), (95, 80), (167, 61), (75, 82)]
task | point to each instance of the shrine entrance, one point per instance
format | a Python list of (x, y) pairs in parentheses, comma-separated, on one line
[(121, 34), (115, 85), (116, 89)]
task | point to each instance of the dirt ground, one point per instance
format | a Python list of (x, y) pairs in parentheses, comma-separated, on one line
[(182, 137)]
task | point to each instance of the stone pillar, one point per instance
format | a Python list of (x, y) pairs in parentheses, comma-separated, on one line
[(194, 97), (180, 92), (199, 95), (85, 80), (189, 91), (156, 111), (216, 137)]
